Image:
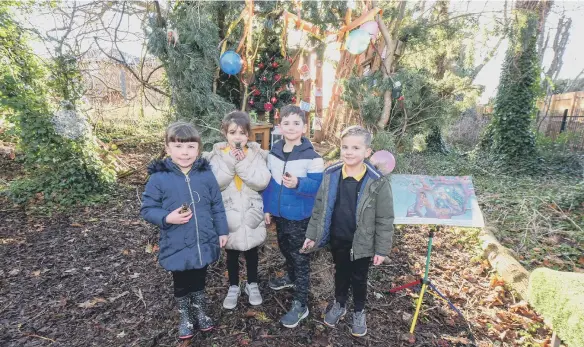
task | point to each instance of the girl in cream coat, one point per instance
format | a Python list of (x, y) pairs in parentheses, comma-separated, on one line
[(241, 171)]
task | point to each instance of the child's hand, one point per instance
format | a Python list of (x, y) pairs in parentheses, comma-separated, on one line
[(222, 241), (290, 181), (308, 244), (175, 217), (238, 153), (378, 260), (268, 218)]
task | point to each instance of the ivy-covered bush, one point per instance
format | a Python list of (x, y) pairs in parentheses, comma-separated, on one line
[(509, 138), (59, 169)]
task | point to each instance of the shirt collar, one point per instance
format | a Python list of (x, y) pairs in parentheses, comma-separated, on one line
[(357, 177)]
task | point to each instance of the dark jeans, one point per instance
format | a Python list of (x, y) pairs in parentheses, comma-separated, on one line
[(189, 281), (251, 260), (349, 274), (291, 236)]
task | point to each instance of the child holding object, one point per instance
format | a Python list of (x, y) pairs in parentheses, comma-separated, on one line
[(241, 170), (296, 171), (353, 213), (191, 236)]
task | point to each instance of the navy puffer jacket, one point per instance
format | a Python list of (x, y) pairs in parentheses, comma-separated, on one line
[(196, 243)]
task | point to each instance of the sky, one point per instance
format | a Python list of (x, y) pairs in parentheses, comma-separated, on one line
[(489, 75)]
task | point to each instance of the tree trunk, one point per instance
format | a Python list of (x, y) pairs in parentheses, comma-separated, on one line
[(391, 41)]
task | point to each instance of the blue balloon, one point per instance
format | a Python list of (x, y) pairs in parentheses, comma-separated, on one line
[(358, 41), (230, 63)]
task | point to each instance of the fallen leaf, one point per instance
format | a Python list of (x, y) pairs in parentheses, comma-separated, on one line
[(126, 252), (14, 272), (36, 273), (122, 334), (250, 314), (581, 261), (496, 281), (76, 225), (148, 248), (155, 248)]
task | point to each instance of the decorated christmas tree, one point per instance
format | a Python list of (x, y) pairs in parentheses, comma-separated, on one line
[(272, 88)]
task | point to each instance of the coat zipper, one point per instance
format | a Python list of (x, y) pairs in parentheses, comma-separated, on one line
[(282, 187), (188, 180)]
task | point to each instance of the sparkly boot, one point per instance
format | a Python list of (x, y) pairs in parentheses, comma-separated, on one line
[(198, 308), (185, 327)]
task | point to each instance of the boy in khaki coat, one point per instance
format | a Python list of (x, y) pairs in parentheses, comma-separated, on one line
[(354, 213)]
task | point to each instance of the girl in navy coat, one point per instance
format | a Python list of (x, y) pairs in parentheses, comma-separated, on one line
[(190, 238)]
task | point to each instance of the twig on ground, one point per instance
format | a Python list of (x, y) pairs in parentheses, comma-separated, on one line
[(279, 303), (140, 297), (40, 337)]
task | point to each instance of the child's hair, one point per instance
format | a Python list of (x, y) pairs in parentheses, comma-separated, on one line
[(182, 131), (241, 119), (293, 109), (357, 130)]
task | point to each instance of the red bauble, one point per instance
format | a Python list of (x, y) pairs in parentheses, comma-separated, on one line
[(273, 100), (293, 99), (264, 78), (275, 64), (277, 77), (250, 102), (256, 92), (261, 65), (268, 107)]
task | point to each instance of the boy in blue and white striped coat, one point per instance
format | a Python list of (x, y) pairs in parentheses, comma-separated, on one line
[(297, 171)]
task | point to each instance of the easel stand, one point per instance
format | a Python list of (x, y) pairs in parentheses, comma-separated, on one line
[(427, 283)]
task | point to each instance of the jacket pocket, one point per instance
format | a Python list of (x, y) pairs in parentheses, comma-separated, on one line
[(254, 215)]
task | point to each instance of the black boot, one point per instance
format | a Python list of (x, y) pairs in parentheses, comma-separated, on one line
[(185, 327), (198, 308)]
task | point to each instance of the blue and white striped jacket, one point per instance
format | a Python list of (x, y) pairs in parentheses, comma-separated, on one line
[(304, 163)]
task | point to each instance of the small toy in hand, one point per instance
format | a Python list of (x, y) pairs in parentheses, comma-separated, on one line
[(287, 174), (238, 145), (184, 208)]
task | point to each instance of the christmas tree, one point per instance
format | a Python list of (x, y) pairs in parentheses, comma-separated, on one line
[(272, 88)]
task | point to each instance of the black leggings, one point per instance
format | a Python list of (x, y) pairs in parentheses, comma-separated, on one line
[(251, 260), (189, 281)]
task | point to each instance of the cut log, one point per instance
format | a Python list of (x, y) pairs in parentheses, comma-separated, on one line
[(503, 260)]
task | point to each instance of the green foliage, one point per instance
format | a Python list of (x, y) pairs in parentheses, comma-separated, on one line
[(573, 198), (59, 170), (435, 142), (509, 137), (191, 64)]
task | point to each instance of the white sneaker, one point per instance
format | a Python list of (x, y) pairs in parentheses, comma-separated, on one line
[(252, 290), (231, 299)]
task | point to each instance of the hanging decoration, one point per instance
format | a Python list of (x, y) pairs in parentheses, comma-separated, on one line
[(372, 28), (358, 41), (230, 63), (172, 38)]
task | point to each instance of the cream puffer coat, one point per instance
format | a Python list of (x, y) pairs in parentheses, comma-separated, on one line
[(244, 208)]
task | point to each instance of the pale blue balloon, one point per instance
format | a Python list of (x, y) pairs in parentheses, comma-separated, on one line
[(230, 63), (358, 41)]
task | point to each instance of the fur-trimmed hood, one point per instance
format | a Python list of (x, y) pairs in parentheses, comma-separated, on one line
[(166, 165)]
